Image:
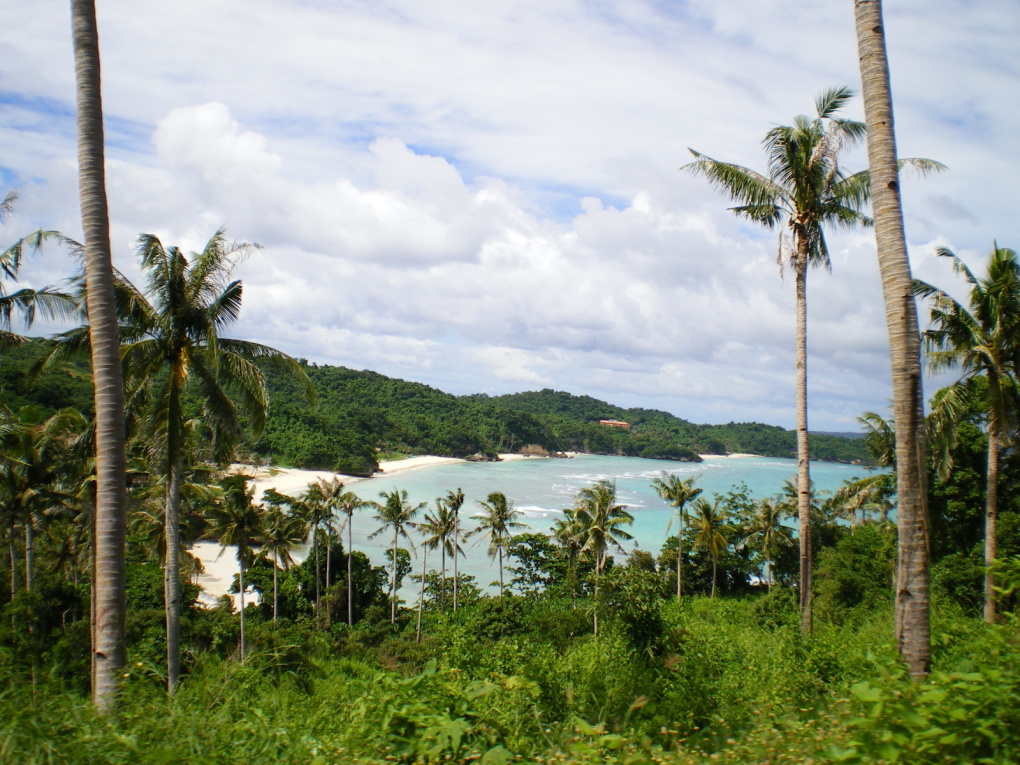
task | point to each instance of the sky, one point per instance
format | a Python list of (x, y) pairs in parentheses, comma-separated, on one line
[(487, 197)]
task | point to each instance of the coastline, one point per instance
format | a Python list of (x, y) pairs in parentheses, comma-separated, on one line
[(220, 565)]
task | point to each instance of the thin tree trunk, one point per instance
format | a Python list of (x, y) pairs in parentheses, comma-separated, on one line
[(913, 627), (421, 592), (442, 577), (456, 554), (715, 569), (500, 551), (679, 553), (315, 546), (350, 583), (276, 600), (29, 554), (12, 545), (991, 518), (393, 583), (240, 588), (108, 648), (172, 574), (803, 456)]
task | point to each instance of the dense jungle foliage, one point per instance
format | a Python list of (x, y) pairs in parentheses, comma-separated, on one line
[(525, 677), (361, 414)]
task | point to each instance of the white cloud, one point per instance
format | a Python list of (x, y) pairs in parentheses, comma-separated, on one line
[(489, 200)]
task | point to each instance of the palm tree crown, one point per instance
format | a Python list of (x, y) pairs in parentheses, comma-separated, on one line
[(497, 521), (678, 492)]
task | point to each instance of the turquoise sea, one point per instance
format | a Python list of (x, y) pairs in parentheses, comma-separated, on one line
[(541, 488)]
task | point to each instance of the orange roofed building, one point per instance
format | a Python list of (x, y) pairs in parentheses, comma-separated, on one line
[(615, 424)]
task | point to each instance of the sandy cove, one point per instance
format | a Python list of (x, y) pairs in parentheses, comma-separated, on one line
[(220, 565)]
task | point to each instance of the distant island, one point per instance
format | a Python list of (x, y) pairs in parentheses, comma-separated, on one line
[(363, 416)]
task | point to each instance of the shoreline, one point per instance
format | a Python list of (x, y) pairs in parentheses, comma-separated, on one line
[(219, 564)]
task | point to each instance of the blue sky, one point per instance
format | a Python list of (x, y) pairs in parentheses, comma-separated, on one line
[(485, 197)]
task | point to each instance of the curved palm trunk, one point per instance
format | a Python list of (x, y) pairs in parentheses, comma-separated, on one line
[(991, 516), (315, 546), (172, 574), (421, 593), (913, 626), (803, 456), (350, 583), (108, 627)]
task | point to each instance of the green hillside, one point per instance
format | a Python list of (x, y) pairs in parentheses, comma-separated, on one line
[(364, 415)]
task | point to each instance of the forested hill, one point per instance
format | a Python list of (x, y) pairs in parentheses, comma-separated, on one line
[(558, 407), (363, 416)]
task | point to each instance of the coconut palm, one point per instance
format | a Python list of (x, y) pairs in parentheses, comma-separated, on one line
[(765, 531), (440, 527), (37, 473), (600, 519), (454, 500), (236, 520), (281, 532), (913, 626), (435, 529), (804, 191), (346, 503), (497, 522), (173, 345), (981, 339), (710, 528), (396, 514), (108, 649), (678, 492), (568, 531)]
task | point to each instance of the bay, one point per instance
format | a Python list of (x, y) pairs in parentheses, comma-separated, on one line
[(542, 488)]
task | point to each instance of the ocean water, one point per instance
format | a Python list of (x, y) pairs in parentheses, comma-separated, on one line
[(542, 488)]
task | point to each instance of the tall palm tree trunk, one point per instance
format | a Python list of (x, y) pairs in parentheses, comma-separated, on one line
[(276, 591), (29, 555), (913, 626), (501, 572), (421, 593), (679, 553), (803, 455), (240, 589), (715, 575), (442, 577), (991, 517), (12, 547), (108, 628), (315, 546), (456, 548), (172, 573), (350, 583), (393, 583)]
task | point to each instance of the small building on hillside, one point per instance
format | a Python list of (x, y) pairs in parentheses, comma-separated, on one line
[(615, 424)]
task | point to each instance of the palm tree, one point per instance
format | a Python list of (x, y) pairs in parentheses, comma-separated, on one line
[(173, 345), (710, 526), (765, 530), (982, 340), (804, 191), (346, 503), (871, 494), (454, 501), (281, 531), (678, 492), (600, 519), (108, 650), (236, 520), (497, 521), (568, 531), (913, 625), (439, 529), (37, 472), (435, 529), (396, 513)]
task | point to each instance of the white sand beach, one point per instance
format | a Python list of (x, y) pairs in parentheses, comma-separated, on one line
[(220, 565)]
